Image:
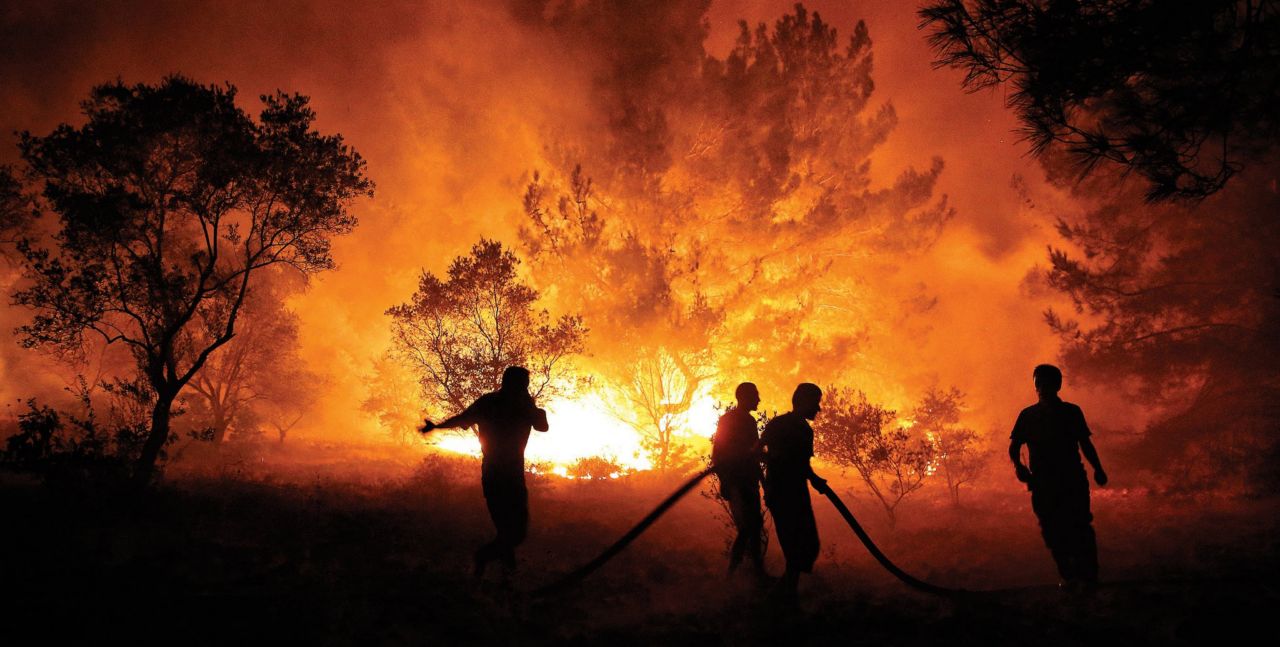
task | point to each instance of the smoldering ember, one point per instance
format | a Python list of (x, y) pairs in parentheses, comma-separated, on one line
[(594, 321)]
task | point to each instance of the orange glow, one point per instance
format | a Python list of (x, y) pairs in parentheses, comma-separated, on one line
[(585, 427), (454, 105)]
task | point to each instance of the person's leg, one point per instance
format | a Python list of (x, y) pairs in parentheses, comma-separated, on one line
[(753, 527), (740, 514), (516, 526), (789, 586), (804, 533), (1086, 541), (1047, 506), (798, 537), (784, 592), (492, 549)]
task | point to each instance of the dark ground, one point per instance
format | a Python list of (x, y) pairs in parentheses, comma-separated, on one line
[(244, 557)]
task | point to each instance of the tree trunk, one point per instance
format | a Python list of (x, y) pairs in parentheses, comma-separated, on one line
[(954, 487), (220, 424), (156, 439)]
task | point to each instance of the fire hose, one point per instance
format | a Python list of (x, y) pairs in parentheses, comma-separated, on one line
[(609, 553), (875, 551), (586, 569)]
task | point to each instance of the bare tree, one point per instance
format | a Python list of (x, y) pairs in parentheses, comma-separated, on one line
[(661, 388)]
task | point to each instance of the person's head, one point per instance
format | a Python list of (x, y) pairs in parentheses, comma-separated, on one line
[(748, 396), (805, 401), (515, 378), (1047, 378)]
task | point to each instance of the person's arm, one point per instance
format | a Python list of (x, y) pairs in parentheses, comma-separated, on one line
[(540, 419), (1015, 452), (465, 419), (1020, 469), (1091, 455), (819, 483), (1086, 447)]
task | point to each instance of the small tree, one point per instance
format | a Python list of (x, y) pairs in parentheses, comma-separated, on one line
[(854, 432), (394, 397), (460, 334), (596, 468), (255, 371), (288, 399), (660, 388), (170, 200), (957, 449)]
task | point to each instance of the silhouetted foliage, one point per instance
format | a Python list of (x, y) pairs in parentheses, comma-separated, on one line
[(258, 378), (37, 438), (594, 468), (854, 432), (169, 200), (460, 334), (85, 447), (1183, 93), (16, 208), (957, 450), (1176, 307)]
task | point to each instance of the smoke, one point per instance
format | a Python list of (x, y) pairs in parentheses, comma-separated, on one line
[(455, 105)]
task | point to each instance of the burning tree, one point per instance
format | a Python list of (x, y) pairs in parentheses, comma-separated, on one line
[(893, 461), (460, 334), (1183, 94), (629, 290), (957, 450), (170, 200), (660, 390), (732, 219)]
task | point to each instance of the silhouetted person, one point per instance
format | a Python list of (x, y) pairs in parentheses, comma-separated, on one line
[(504, 417), (1055, 434), (788, 445), (735, 456)]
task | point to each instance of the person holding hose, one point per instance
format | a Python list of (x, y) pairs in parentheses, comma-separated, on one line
[(788, 445)]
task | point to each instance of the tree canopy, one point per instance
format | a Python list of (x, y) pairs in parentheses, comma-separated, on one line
[(721, 213), (169, 200), (1182, 93), (461, 333)]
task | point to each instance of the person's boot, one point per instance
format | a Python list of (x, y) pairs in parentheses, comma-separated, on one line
[(481, 560), (784, 595), (761, 578)]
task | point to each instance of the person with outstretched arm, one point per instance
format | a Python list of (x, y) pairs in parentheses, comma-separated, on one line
[(788, 445), (1056, 434), (504, 418)]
